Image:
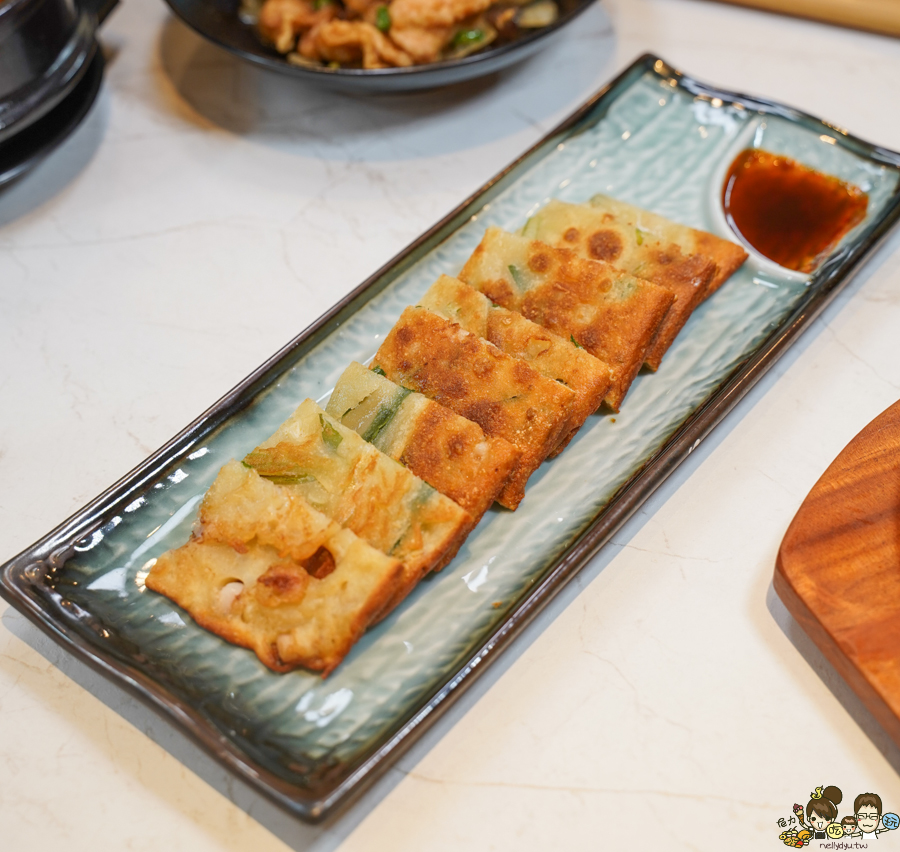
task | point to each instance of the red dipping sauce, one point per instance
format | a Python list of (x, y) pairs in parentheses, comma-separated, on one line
[(790, 213)]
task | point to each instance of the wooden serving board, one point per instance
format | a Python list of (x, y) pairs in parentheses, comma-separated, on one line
[(880, 16), (838, 569)]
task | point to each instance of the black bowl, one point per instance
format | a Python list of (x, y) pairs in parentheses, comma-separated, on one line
[(218, 21), (24, 150), (46, 48)]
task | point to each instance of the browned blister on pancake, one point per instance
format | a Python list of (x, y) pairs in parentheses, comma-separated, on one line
[(267, 571), (618, 239), (552, 356), (726, 255), (361, 488), (505, 396), (613, 315), (450, 453)]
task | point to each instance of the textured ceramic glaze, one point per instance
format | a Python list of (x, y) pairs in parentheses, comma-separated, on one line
[(657, 146)]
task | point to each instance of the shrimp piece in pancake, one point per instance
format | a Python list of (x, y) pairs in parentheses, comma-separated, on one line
[(352, 42), (506, 397), (267, 571), (434, 13), (612, 314), (281, 21), (552, 356)]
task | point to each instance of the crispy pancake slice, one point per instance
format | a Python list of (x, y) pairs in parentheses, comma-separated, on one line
[(353, 483), (450, 453), (552, 356), (612, 314), (506, 397), (601, 235), (267, 571), (726, 255)]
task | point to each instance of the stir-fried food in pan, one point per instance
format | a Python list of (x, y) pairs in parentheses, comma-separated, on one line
[(394, 34)]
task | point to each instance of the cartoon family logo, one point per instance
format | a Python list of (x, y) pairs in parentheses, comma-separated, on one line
[(820, 820)]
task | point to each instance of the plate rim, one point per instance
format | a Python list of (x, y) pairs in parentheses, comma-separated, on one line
[(22, 576)]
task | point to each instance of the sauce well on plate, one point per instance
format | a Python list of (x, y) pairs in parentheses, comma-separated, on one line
[(788, 212)]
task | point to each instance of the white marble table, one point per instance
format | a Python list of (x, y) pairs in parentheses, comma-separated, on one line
[(202, 215)]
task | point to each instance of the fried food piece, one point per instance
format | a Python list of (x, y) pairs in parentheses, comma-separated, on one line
[(674, 256), (506, 397), (551, 355), (281, 21), (613, 315), (423, 44), (434, 13), (352, 42), (359, 487), (622, 238), (726, 255), (362, 8), (268, 572), (450, 453)]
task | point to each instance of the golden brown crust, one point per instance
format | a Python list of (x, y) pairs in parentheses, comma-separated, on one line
[(554, 357), (359, 487), (504, 396), (727, 256), (724, 254), (688, 277), (613, 237), (315, 633), (268, 572), (450, 453), (613, 315), (459, 460)]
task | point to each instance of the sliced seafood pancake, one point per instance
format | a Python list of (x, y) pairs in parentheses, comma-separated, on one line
[(600, 235), (361, 488), (450, 453), (613, 315), (552, 356), (506, 397), (267, 571), (726, 255)]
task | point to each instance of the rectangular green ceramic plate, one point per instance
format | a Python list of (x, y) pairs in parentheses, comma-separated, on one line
[(652, 137)]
